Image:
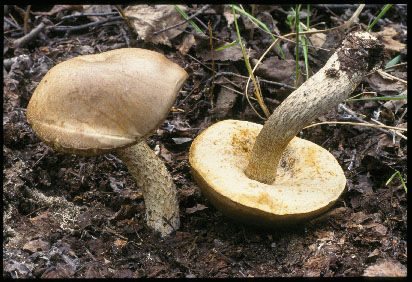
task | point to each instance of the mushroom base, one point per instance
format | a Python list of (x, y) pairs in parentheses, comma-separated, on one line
[(309, 179)]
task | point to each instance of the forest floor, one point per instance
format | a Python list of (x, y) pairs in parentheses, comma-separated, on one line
[(72, 216)]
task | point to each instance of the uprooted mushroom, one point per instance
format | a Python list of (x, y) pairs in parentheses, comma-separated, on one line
[(266, 175), (109, 102)]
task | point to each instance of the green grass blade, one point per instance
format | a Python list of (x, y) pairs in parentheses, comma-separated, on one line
[(264, 26), (393, 62), (258, 22), (240, 40), (398, 97), (400, 177), (186, 16), (297, 27), (383, 12), (227, 46)]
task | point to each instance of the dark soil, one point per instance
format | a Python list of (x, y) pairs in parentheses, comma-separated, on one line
[(72, 216)]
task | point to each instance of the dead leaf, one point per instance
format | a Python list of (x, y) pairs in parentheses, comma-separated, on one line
[(365, 185), (373, 255), (182, 140), (225, 101), (198, 207), (317, 39), (58, 271), (380, 84), (147, 19), (35, 245), (188, 42), (396, 104), (386, 37), (385, 141), (386, 268), (232, 54), (228, 14), (97, 9), (165, 153), (278, 70), (120, 243), (58, 8)]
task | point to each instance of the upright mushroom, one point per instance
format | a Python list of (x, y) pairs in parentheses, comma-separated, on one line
[(109, 102), (266, 175)]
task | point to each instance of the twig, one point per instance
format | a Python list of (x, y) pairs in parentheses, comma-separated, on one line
[(36, 210), (213, 64), (29, 37), (10, 22), (201, 23), (183, 22), (109, 230), (354, 116), (126, 38), (245, 77), (393, 129), (26, 20), (126, 19), (380, 125), (397, 65), (72, 28), (90, 15), (388, 76)]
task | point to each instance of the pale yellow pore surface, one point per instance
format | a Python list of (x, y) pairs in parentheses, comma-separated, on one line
[(308, 180)]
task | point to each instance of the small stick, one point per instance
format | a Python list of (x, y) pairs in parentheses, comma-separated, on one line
[(201, 23), (90, 15), (397, 65), (355, 117), (393, 129), (10, 22), (126, 19), (72, 28), (245, 77), (183, 22), (29, 37), (388, 76), (213, 64), (26, 20), (379, 125)]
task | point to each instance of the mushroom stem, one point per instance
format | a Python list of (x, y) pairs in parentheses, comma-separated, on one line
[(159, 191), (360, 53)]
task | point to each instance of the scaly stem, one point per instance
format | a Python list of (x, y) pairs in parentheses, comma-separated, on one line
[(359, 54), (159, 191)]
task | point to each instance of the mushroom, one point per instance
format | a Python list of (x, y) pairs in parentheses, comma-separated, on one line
[(264, 174), (110, 102)]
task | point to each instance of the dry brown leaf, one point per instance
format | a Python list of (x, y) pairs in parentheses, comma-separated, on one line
[(380, 84), (196, 208), (228, 13), (188, 42), (97, 9), (386, 37), (147, 19), (279, 70), (386, 268), (317, 39), (224, 103), (58, 8)]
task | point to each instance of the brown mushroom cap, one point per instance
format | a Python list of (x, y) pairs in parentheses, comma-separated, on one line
[(309, 179), (92, 104)]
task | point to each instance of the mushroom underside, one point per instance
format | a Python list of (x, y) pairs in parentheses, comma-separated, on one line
[(309, 179)]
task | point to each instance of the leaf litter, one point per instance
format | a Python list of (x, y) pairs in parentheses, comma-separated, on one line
[(70, 216)]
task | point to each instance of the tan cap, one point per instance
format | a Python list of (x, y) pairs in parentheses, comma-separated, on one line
[(309, 179), (92, 104)]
